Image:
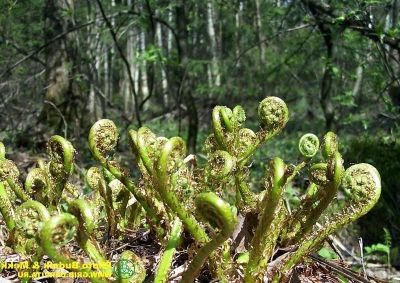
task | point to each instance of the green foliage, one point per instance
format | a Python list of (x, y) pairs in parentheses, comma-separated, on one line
[(381, 248), (327, 253), (380, 252), (174, 195)]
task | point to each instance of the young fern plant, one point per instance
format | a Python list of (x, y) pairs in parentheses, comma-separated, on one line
[(48, 182), (87, 227), (241, 143), (28, 222), (220, 215), (171, 155), (60, 167), (58, 231), (9, 176), (102, 197), (172, 188), (161, 162), (103, 138), (327, 177), (270, 221), (37, 185), (363, 185), (30, 217)]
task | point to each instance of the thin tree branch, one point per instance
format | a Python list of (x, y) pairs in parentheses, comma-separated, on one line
[(20, 50), (290, 56), (268, 39), (60, 114), (38, 50), (124, 59), (164, 23)]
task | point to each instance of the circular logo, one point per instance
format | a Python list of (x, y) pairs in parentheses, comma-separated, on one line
[(124, 269)]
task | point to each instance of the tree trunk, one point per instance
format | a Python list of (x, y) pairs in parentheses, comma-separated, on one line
[(170, 36), (326, 84), (144, 86), (327, 79), (94, 53), (261, 37), (184, 83), (129, 102), (111, 60), (57, 59), (238, 16), (107, 73), (215, 74), (62, 95), (164, 79), (359, 78)]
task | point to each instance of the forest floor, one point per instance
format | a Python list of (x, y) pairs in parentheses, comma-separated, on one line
[(314, 269)]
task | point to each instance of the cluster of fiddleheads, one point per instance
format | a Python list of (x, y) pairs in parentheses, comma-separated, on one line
[(186, 207)]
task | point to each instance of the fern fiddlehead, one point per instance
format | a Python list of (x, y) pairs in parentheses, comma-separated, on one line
[(171, 155), (221, 122), (146, 148), (95, 180), (273, 115), (103, 137), (267, 230), (61, 165), (30, 215), (308, 148), (226, 128), (328, 177), (219, 214), (242, 142), (363, 185), (82, 211), (29, 218), (36, 184), (9, 174), (309, 145), (56, 233), (220, 165), (334, 176)]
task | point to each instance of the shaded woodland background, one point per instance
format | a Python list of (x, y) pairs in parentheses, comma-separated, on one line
[(165, 64)]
